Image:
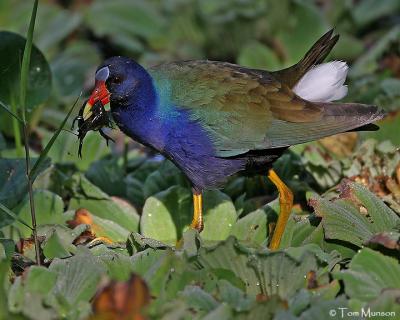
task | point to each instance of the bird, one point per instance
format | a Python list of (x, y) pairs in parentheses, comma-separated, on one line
[(215, 119)]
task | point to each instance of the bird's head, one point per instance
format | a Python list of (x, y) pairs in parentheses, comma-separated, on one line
[(119, 82)]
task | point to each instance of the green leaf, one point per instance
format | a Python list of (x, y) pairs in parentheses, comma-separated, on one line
[(58, 239), (367, 11), (26, 60), (348, 48), (124, 21), (167, 214), (369, 274), (4, 271), (235, 297), (119, 266), (267, 273), (65, 234), (298, 230), (387, 129), (346, 250), (282, 275), (71, 68), (12, 215), (156, 267), (48, 146), (134, 190), (77, 278), (108, 174), (54, 248), (50, 16), (222, 312), (61, 22), (9, 110), (66, 149), (3, 144), (49, 210), (219, 216), (252, 228), (91, 198), (367, 63), (257, 55), (386, 302), (40, 280), (145, 169), (191, 242), (228, 255), (343, 220), (13, 183), (64, 238), (27, 296), (106, 228), (38, 78), (139, 242), (325, 308), (7, 248), (166, 176), (305, 27), (198, 299), (266, 310)]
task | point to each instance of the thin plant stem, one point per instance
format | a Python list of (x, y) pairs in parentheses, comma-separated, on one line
[(10, 112), (30, 191), (23, 89), (17, 131), (11, 232), (26, 60)]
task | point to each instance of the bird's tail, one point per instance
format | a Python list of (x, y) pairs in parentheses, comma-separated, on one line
[(351, 116), (317, 54), (335, 118)]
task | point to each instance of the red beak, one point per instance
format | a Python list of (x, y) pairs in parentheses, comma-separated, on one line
[(101, 93)]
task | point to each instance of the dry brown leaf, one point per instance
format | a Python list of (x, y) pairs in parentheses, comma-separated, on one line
[(386, 240), (121, 300), (342, 144), (83, 216)]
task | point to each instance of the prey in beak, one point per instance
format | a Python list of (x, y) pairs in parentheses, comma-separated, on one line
[(95, 112)]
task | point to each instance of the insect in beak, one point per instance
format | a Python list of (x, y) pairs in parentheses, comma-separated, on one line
[(95, 112), (95, 119)]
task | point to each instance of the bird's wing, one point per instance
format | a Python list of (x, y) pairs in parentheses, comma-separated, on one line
[(242, 109)]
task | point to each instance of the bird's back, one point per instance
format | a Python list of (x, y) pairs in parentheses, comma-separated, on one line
[(246, 109)]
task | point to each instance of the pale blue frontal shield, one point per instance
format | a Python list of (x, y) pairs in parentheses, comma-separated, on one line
[(102, 74)]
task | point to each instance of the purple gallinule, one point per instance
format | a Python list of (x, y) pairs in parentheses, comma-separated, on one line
[(214, 119)]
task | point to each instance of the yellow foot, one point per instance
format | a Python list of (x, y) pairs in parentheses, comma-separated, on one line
[(197, 222), (285, 203)]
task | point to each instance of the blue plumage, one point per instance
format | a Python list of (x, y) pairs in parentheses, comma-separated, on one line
[(145, 114)]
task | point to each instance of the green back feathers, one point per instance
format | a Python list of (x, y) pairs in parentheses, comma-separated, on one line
[(235, 105), (246, 109)]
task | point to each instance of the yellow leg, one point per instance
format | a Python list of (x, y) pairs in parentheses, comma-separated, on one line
[(197, 222), (286, 204)]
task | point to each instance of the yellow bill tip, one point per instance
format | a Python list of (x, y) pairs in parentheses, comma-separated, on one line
[(87, 111)]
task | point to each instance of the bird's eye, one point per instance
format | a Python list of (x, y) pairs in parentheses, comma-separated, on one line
[(116, 80)]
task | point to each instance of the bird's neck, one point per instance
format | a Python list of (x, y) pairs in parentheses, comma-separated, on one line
[(138, 118)]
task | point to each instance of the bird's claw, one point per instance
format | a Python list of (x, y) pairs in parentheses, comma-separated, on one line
[(77, 118), (105, 136), (80, 148)]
